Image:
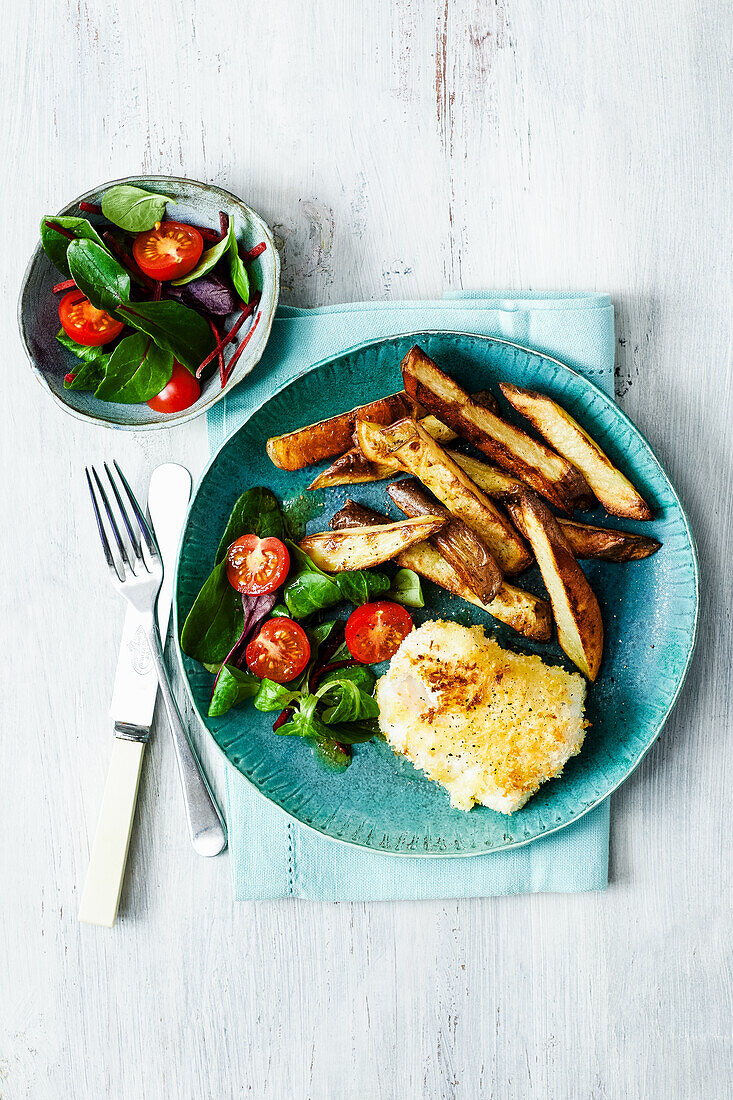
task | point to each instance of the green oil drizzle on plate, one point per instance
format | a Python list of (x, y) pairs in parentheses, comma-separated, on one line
[(299, 510)]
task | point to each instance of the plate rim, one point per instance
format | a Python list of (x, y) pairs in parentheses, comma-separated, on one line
[(610, 402)]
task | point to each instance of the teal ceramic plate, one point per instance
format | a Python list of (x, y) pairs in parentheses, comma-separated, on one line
[(649, 609)]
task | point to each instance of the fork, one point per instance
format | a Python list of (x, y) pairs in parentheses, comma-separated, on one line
[(138, 576)]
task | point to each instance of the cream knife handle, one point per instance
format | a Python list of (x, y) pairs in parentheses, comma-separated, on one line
[(205, 823), (101, 894)]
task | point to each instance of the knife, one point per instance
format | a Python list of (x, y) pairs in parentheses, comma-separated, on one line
[(132, 708)]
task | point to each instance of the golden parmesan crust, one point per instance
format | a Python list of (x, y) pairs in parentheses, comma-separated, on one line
[(488, 724)]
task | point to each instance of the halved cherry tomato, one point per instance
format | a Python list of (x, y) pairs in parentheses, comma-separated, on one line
[(375, 631), (279, 652), (85, 323), (168, 252), (181, 392), (256, 566)]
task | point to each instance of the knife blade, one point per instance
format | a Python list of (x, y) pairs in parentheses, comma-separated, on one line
[(136, 684)]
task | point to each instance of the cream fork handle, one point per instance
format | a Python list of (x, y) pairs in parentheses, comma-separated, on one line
[(103, 886)]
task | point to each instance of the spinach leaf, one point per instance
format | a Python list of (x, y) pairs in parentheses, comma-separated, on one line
[(214, 623), (272, 696), (361, 585), (173, 326), (232, 686), (406, 588), (355, 733), (237, 270), (210, 258), (55, 245), (80, 350), (344, 701), (136, 371), (256, 512), (360, 675), (134, 209), (332, 754), (88, 375), (98, 275), (308, 592)]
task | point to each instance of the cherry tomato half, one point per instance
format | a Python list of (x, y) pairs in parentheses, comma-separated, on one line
[(180, 393), (375, 631), (257, 565), (279, 652), (168, 252), (85, 323)]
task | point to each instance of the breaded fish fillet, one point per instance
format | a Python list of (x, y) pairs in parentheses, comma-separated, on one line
[(489, 724)]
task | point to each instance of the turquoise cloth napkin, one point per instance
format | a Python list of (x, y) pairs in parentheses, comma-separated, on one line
[(273, 856)]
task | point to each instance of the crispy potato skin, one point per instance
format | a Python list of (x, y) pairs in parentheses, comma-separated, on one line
[(363, 547), (351, 468), (587, 541), (513, 450), (422, 456), (614, 490), (457, 542), (576, 610), (529, 615), (331, 437)]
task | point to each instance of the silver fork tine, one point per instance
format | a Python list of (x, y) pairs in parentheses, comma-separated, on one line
[(102, 533), (113, 524), (147, 534), (137, 550)]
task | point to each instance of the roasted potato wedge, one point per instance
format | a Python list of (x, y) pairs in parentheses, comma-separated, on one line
[(332, 437), (493, 482), (422, 456), (615, 492), (363, 547), (529, 615), (551, 475), (457, 542), (575, 607), (353, 468), (587, 541)]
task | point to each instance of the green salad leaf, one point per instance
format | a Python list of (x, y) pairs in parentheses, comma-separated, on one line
[(98, 274), (133, 208), (209, 259), (237, 270), (88, 375), (137, 369), (362, 585), (215, 621), (56, 245), (406, 589), (81, 351), (173, 327), (233, 686)]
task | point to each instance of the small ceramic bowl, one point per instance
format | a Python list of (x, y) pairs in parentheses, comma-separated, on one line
[(38, 318)]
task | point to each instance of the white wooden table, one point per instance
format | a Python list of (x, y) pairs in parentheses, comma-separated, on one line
[(400, 148)]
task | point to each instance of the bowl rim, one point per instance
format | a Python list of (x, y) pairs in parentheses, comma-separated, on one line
[(183, 417), (692, 642)]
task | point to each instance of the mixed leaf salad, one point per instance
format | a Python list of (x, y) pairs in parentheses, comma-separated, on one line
[(265, 625), (145, 300)]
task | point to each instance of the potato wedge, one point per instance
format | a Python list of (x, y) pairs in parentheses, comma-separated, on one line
[(576, 610), (615, 492), (363, 547), (422, 456), (353, 468), (493, 482), (457, 542), (529, 615), (551, 475), (331, 437), (588, 541)]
